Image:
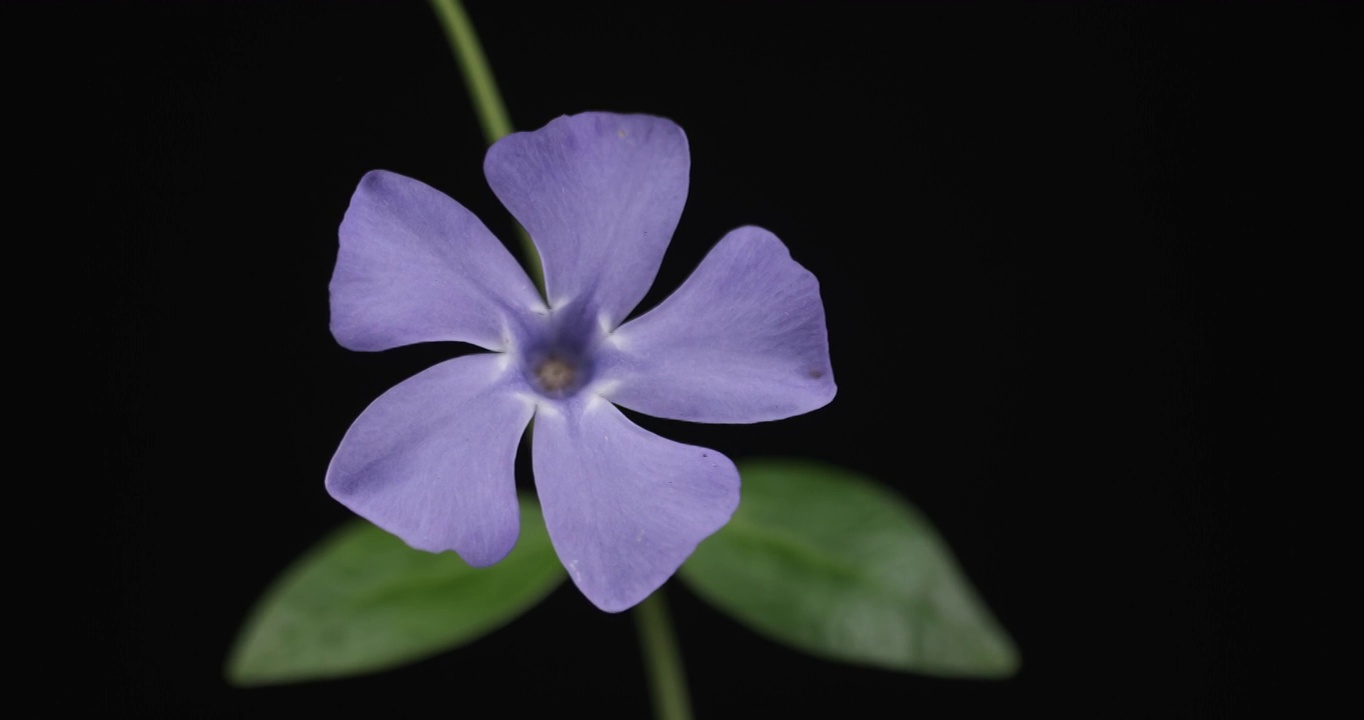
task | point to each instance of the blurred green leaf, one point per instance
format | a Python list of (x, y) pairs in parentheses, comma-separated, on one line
[(362, 601), (833, 563)]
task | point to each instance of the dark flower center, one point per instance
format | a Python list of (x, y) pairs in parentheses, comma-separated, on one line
[(559, 372), (557, 356), (554, 375)]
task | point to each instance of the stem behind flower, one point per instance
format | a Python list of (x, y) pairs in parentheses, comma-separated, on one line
[(487, 100), (662, 660)]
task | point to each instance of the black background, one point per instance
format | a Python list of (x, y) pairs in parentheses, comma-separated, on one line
[(1013, 211)]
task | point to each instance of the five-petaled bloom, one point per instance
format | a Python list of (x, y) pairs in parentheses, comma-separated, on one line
[(743, 340)]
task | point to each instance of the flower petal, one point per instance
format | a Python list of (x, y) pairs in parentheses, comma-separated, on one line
[(601, 195), (415, 266), (624, 507), (431, 460), (742, 340)]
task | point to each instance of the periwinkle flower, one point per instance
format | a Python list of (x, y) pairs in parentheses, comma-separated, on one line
[(742, 340)]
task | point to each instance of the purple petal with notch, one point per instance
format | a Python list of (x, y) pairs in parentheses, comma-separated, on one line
[(742, 340), (624, 507), (600, 194), (416, 266), (431, 460)]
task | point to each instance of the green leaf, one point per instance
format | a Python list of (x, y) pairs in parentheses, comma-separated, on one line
[(362, 601), (833, 563)]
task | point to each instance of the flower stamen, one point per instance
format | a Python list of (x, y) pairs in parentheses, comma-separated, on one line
[(554, 375)]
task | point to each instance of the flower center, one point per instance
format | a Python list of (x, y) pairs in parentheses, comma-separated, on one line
[(554, 375), (556, 352), (559, 372)]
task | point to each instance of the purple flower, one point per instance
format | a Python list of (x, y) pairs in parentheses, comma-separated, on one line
[(741, 341)]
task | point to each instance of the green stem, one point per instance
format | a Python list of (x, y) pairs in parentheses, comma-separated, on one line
[(662, 661), (667, 681), (487, 100)]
